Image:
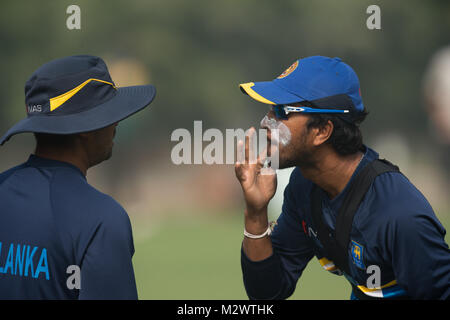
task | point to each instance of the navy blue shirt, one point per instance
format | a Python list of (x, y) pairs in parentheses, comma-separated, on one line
[(394, 229), (53, 222)]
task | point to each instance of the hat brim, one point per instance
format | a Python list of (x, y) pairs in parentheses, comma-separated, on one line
[(127, 101), (269, 92)]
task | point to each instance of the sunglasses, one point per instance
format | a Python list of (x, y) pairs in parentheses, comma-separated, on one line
[(281, 111)]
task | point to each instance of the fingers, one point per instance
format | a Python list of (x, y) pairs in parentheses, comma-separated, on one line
[(267, 171), (240, 165), (240, 152), (247, 145), (245, 168), (262, 157), (247, 153), (250, 146), (265, 163), (238, 171), (249, 164)]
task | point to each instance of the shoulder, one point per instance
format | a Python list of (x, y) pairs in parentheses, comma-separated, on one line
[(85, 213), (9, 172), (394, 192), (396, 203), (71, 193)]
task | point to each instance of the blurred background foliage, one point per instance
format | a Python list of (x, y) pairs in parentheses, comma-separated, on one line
[(196, 53)]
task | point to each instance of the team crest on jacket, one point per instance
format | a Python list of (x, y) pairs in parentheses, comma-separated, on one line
[(357, 254), (289, 70)]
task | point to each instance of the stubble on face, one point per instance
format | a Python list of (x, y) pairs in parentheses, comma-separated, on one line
[(102, 144), (298, 152)]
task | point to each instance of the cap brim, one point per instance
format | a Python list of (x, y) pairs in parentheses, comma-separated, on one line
[(127, 101), (269, 93)]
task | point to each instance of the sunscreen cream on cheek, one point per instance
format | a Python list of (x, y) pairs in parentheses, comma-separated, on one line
[(284, 134)]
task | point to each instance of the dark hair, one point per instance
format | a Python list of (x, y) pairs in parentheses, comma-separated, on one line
[(56, 141), (346, 138)]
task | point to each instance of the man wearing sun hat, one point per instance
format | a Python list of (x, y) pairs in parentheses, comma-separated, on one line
[(357, 214), (60, 238)]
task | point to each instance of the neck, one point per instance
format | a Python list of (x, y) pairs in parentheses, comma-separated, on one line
[(332, 172), (78, 159)]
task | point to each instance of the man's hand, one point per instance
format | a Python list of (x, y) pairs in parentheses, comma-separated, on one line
[(258, 188)]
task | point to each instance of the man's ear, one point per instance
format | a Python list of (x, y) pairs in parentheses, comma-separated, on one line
[(83, 135), (323, 133)]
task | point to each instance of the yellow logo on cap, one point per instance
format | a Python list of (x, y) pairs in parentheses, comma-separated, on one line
[(289, 70)]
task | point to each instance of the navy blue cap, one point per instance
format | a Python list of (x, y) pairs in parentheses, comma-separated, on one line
[(76, 94), (319, 82)]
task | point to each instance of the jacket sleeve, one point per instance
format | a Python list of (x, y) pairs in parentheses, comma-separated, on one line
[(276, 276), (420, 256)]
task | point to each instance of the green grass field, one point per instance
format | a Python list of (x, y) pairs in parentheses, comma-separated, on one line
[(199, 258)]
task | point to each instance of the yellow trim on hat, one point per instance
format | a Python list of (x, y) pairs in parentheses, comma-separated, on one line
[(56, 102), (247, 87)]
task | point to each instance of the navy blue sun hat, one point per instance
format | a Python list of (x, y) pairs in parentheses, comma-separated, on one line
[(318, 82), (76, 94)]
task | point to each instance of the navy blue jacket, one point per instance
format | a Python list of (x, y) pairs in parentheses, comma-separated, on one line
[(394, 229), (51, 219)]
